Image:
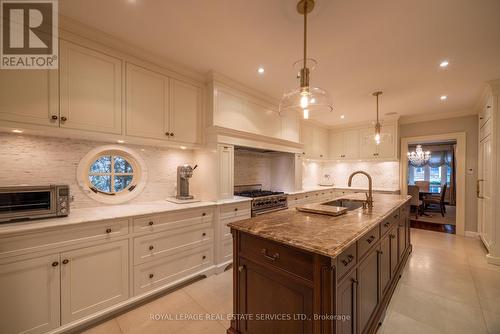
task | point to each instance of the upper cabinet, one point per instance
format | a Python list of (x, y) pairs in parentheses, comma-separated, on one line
[(315, 140), (359, 144), (185, 111), (90, 90), (29, 96)]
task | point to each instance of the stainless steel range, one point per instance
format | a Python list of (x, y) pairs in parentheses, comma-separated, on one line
[(263, 201)]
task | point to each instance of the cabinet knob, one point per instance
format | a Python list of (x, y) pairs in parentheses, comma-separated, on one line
[(151, 275), (172, 134), (151, 247), (55, 264), (54, 117), (204, 257), (488, 107), (241, 268), (203, 214), (203, 234), (151, 223), (387, 224), (235, 209), (64, 119), (392, 236), (65, 261), (167, 134), (108, 230)]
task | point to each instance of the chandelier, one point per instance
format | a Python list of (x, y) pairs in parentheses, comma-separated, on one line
[(306, 99), (418, 158)]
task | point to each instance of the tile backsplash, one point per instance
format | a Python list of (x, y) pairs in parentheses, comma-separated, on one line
[(40, 160), (252, 168)]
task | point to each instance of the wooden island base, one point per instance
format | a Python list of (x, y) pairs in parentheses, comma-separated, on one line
[(279, 288)]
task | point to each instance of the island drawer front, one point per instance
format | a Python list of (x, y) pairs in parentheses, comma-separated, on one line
[(347, 260), (272, 253), (153, 246), (155, 274), (386, 225), (102, 230), (168, 221), (367, 241), (235, 210)]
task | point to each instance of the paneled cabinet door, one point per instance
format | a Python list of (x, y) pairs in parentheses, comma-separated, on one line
[(29, 96), (351, 144), (387, 146), (367, 147), (226, 173), (258, 287), (93, 278), (29, 295), (336, 142), (393, 238), (368, 292), (401, 239), (486, 223), (90, 89), (385, 264), (346, 304), (185, 112), (147, 103), (320, 143)]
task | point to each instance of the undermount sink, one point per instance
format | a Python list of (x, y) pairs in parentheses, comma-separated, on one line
[(350, 205)]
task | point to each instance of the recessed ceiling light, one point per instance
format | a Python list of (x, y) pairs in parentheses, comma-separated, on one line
[(17, 131), (119, 141), (183, 147), (261, 70), (444, 64), (443, 97), (342, 116)]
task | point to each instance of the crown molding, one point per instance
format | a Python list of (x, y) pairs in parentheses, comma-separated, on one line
[(436, 116)]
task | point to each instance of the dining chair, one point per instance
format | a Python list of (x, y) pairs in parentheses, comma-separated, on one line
[(415, 202), (437, 200), (423, 185)]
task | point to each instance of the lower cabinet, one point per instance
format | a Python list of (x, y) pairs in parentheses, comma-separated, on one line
[(385, 264), (258, 289), (346, 304), (40, 294), (93, 279), (393, 239), (29, 295), (368, 290)]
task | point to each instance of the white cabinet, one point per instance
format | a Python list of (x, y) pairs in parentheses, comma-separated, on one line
[(29, 96), (93, 279), (185, 112), (344, 145), (29, 294), (226, 172), (90, 90), (484, 190), (387, 149), (290, 126), (161, 108), (315, 140)]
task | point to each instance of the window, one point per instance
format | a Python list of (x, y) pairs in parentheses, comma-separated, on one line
[(419, 174), (112, 174), (435, 175)]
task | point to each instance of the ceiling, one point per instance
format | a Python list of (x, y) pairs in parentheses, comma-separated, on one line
[(361, 46)]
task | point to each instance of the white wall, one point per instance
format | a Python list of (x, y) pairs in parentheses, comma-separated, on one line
[(40, 160)]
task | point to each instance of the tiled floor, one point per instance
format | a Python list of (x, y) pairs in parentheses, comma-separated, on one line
[(447, 287)]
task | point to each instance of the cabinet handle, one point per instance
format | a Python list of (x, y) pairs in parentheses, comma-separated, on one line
[(151, 247), (64, 119), (488, 107), (55, 264), (171, 134), (241, 268), (151, 275), (392, 236), (387, 224), (348, 260), (65, 261), (273, 257), (54, 117), (167, 134), (108, 230), (151, 223), (380, 252), (370, 239)]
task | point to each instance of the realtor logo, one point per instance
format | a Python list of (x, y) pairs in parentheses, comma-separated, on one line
[(29, 36)]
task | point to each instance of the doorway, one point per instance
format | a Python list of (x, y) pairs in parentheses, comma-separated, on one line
[(439, 181)]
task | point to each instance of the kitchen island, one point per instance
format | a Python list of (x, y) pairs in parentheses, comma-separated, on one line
[(297, 272)]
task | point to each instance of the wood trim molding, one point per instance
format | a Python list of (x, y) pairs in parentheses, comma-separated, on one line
[(461, 140), (436, 116)]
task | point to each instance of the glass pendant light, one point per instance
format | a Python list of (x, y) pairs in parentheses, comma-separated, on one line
[(377, 125), (306, 99)]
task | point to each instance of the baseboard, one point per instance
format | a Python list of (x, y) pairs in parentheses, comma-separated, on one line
[(222, 267), (471, 234), (493, 259)]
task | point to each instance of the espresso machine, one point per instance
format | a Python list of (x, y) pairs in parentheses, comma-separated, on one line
[(184, 173)]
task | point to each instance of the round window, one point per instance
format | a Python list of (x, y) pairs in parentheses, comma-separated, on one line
[(112, 174)]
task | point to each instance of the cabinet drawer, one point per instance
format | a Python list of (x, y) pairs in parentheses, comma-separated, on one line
[(172, 220), (393, 219), (227, 250), (347, 260), (156, 274), (152, 246), (269, 252), (235, 210), (367, 241), (225, 230), (64, 236)]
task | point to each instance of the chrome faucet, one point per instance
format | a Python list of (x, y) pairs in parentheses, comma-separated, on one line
[(369, 196)]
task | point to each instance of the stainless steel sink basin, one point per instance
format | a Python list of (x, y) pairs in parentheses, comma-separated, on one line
[(350, 205)]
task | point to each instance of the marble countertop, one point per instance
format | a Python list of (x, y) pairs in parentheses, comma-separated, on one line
[(87, 215), (322, 234)]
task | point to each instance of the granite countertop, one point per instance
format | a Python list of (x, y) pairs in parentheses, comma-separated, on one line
[(87, 215), (334, 187), (321, 234)]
